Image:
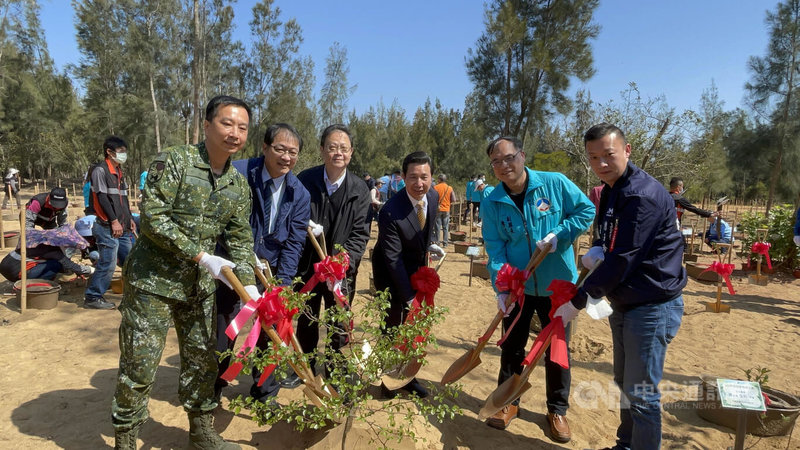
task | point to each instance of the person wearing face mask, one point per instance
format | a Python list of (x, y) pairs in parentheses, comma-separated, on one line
[(113, 228)]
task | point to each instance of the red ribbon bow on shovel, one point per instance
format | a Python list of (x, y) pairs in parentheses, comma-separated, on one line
[(725, 271), (563, 291), (512, 280), (270, 310), (426, 282), (762, 248)]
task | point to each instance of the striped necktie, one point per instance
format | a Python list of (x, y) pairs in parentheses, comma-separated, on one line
[(421, 215)]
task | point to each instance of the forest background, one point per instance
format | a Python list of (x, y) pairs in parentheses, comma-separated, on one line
[(148, 67)]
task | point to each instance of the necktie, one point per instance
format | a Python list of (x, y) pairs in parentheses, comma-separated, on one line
[(421, 216), (268, 204)]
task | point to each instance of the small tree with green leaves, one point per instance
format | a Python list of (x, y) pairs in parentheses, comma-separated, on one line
[(352, 371)]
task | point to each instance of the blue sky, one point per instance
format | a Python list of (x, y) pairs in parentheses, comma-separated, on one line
[(412, 50)]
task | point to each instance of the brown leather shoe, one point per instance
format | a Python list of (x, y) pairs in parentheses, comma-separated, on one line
[(502, 418), (559, 428)]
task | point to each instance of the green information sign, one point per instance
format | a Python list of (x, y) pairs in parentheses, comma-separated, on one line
[(739, 394)]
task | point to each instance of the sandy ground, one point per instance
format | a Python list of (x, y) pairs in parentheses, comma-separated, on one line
[(62, 365)]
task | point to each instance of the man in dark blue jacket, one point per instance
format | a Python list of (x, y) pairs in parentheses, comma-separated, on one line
[(281, 210), (641, 273)]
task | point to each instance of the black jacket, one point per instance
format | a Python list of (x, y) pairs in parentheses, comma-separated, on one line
[(643, 246), (351, 224)]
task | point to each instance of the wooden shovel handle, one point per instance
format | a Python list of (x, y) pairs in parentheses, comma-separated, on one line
[(315, 243)]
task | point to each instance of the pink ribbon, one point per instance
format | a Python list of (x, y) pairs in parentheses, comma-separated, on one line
[(512, 280), (725, 271), (763, 249), (269, 310), (426, 282)]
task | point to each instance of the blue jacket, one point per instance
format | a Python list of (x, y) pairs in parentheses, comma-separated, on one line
[(724, 228), (642, 243), (797, 223), (283, 247), (553, 204), (470, 190)]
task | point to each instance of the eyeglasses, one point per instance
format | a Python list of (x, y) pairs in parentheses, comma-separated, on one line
[(292, 152), (505, 161), (334, 149)]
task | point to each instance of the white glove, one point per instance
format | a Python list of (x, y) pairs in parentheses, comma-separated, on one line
[(590, 259), (598, 308), (549, 239), (501, 304), (214, 264), (567, 312), (316, 229), (333, 286), (436, 252), (797, 241), (252, 291), (259, 265)]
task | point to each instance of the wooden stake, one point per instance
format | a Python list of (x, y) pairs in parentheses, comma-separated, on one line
[(23, 255), (2, 235)]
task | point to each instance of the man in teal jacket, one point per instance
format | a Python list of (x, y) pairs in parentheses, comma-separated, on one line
[(530, 209)]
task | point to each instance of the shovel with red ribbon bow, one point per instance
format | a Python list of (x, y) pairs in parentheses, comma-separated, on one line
[(270, 311), (552, 335), (508, 279)]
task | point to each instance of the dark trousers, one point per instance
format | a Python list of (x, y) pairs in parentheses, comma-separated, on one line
[(308, 330), (228, 306), (514, 350)]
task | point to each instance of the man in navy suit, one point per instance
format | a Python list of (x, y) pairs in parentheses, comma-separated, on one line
[(281, 210), (405, 231)]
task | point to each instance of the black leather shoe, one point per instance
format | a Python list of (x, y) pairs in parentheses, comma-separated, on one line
[(291, 381), (415, 387)]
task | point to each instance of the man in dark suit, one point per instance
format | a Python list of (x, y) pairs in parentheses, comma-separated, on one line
[(405, 231), (339, 204)]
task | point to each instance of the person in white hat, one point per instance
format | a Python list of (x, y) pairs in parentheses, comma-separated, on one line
[(11, 181)]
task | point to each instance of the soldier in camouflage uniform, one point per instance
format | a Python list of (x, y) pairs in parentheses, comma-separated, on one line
[(193, 196)]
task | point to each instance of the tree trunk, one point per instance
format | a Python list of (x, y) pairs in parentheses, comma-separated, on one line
[(656, 141), (196, 71)]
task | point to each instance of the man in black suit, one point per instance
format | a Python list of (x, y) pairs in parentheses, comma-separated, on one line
[(340, 201), (405, 231)]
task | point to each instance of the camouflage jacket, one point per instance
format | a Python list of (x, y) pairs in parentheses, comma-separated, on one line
[(184, 209)]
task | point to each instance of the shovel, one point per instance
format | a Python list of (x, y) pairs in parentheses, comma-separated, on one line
[(400, 377), (518, 384), (315, 388), (472, 358)]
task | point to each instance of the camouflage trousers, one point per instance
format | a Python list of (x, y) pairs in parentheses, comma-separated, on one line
[(142, 335)]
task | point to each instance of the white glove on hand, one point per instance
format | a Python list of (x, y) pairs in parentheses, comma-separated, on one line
[(567, 312), (252, 291), (214, 264), (797, 241), (501, 304), (333, 286), (598, 308), (436, 252), (549, 239), (591, 257), (316, 229), (259, 265)]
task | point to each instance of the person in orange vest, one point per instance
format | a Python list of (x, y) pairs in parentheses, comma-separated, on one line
[(446, 198)]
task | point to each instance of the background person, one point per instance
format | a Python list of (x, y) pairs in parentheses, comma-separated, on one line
[(47, 210), (113, 227), (11, 184), (446, 199)]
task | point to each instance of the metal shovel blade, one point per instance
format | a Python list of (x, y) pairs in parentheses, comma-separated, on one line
[(503, 395), (462, 366)]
